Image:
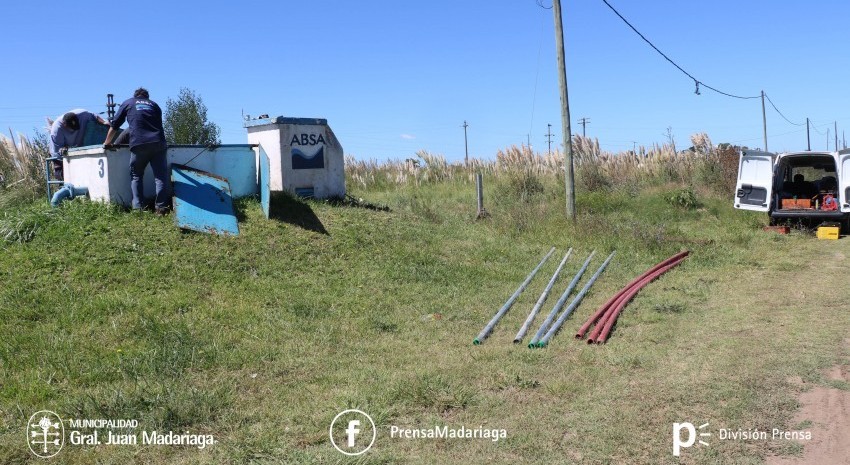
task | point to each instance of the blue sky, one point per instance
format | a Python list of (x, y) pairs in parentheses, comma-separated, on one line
[(396, 77)]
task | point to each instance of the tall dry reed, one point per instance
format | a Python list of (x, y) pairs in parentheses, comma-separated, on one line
[(595, 168), (22, 166)]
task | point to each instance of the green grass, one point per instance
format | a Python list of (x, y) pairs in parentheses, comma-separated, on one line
[(262, 339)]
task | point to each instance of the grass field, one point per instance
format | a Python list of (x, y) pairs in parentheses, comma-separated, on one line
[(260, 340)]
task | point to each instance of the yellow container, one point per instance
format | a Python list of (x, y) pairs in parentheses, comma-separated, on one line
[(828, 232)]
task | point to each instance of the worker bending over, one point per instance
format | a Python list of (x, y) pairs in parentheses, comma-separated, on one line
[(68, 131)]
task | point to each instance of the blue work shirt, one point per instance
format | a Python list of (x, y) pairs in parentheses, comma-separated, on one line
[(144, 120), (61, 136)]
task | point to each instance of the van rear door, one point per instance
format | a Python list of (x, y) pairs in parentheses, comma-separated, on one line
[(755, 180), (844, 179)]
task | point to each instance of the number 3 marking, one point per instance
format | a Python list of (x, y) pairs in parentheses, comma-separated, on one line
[(100, 164)]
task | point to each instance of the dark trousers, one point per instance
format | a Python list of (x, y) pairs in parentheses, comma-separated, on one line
[(155, 154)]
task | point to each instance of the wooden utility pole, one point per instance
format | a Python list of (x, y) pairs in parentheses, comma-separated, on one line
[(569, 181), (808, 139), (479, 189), (583, 122), (764, 120), (465, 145)]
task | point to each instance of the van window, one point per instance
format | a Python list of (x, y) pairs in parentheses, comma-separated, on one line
[(814, 173)]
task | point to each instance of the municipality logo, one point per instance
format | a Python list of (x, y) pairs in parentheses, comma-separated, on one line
[(45, 434)]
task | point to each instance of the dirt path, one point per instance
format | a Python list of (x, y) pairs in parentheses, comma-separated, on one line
[(828, 411)]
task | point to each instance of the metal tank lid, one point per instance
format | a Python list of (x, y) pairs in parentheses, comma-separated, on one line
[(284, 120)]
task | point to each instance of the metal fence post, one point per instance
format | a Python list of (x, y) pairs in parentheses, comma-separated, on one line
[(479, 187)]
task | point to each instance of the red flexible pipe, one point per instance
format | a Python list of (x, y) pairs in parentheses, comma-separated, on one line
[(614, 310), (599, 325), (624, 300), (605, 307), (621, 302)]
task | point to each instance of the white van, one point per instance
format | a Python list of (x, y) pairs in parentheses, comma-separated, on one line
[(812, 186)]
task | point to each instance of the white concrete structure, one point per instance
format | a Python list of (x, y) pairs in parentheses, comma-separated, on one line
[(305, 156), (106, 174)]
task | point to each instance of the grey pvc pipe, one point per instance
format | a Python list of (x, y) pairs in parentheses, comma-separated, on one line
[(560, 302), (574, 303), (541, 300), (489, 328)]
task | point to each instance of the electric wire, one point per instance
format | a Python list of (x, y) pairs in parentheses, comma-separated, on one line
[(816, 129), (537, 74), (780, 113), (697, 82)]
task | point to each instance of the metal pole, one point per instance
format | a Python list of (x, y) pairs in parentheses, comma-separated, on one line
[(574, 303), (549, 136), (560, 302), (569, 183), (110, 107), (47, 167), (808, 138), (764, 120), (465, 145), (489, 328), (540, 301)]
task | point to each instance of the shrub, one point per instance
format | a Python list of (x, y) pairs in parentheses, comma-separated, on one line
[(683, 198)]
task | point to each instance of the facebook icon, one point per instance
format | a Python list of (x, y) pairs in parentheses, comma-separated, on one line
[(351, 424), (352, 431)]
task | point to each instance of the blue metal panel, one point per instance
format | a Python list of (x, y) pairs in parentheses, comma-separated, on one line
[(202, 202), (265, 182), (236, 163)]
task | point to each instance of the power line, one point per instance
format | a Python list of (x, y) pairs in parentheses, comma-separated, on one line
[(780, 113), (29, 107), (796, 131), (816, 129), (697, 82), (537, 74)]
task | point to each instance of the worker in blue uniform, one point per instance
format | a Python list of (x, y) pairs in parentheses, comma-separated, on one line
[(147, 146), (69, 131)]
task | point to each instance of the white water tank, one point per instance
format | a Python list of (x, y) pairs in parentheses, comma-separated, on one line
[(106, 173)]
